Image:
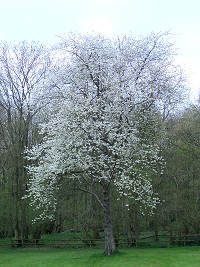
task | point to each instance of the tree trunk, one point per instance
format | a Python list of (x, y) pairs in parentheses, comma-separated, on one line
[(110, 247), (156, 235)]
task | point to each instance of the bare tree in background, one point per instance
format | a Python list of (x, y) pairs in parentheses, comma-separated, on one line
[(23, 68)]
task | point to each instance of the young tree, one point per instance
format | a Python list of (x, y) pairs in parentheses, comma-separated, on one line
[(107, 128)]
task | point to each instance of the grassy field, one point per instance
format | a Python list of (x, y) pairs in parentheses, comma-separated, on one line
[(156, 257)]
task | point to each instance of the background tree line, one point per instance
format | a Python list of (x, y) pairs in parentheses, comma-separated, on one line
[(24, 102)]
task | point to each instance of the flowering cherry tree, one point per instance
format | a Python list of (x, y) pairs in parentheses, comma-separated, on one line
[(107, 127)]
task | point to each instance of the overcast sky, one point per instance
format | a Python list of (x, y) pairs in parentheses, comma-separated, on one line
[(43, 20)]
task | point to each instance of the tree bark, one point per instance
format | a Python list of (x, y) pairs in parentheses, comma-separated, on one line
[(110, 247)]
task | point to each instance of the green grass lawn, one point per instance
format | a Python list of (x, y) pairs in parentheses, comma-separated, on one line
[(155, 257)]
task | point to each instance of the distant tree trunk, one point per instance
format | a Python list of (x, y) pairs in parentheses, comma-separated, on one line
[(136, 221), (16, 232), (110, 247), (156, 235)]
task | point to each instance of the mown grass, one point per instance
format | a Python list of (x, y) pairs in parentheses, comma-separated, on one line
[(149, 257)]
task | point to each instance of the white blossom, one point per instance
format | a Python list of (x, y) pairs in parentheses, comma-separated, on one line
[(107, 125)]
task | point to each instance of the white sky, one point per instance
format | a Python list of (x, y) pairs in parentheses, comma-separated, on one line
[(44, 19)]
